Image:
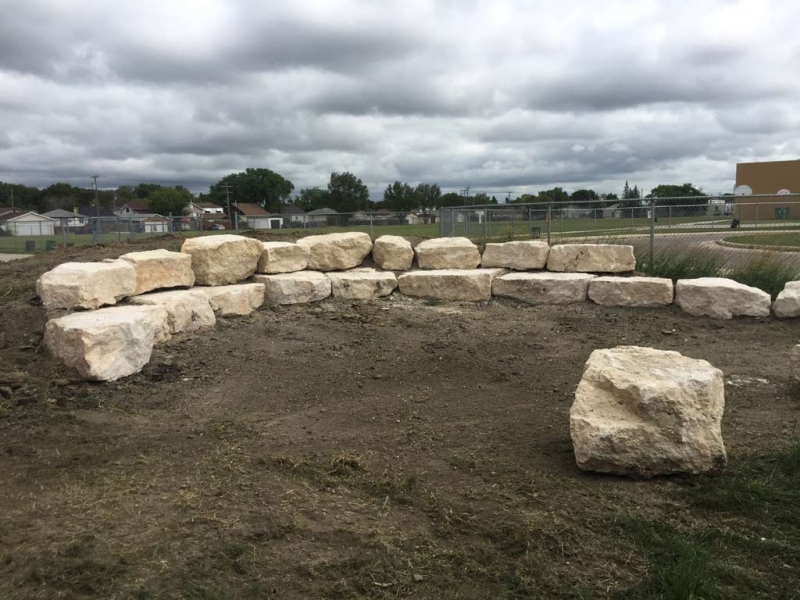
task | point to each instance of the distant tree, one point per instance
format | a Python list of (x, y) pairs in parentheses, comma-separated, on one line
[(451, 199), (687, 190), (25, 197), (312, 199), (347, 193), (429, 197), (256, 186), (556, 196), (143, 190), (400, 199), (168, 201), (125, 193)]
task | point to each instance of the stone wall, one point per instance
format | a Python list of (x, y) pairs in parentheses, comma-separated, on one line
[(161, 293)]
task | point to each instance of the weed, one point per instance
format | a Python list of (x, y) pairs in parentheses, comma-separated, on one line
[(685, 265), (765, 272)]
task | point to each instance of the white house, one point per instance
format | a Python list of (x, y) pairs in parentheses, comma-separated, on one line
[(26, 224), (65, 218), (204, 209)]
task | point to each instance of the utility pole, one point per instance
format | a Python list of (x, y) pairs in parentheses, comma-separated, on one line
[(465, 193), (96, 208), (227, 187)]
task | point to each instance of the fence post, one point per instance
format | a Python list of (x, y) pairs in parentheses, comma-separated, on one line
[(670, 217), (486, 222), (371, 226), (119, 231), (756, 215), (652, 226), (64, 227), (452, 222), (549, 221)]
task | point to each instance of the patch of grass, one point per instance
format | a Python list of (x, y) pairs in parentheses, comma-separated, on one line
[(771, 239), (685, 265), (765, 272)]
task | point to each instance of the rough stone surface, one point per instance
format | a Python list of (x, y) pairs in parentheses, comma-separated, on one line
[(187, 310), (336, 251), (470, 285), (591, 258), (109, 343), (156, 269), (86, 285), (235, 300), (721, 298), (282, 257), (393, 253), (295, 288), (631, 291), (223, 259), (520, 256), (644, 412), (787, 304), (447, 253), (362, 284), (543, 288), (795, 362)]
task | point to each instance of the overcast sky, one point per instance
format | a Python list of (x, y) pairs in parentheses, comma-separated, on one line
[(495, 95)]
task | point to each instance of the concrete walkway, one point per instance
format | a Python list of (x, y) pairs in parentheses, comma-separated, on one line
[(10, 257)]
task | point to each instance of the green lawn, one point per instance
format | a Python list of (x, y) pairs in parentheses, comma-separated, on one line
[(766, 239)]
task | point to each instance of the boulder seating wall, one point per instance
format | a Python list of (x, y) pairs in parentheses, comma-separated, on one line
[(160, 293)]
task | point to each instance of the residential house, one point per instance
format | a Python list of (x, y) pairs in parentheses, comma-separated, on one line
[(132, 207), (205, 209), (293, 216), (321, 217), (25, 223), (773, 180), (65, 218), (256, 217)]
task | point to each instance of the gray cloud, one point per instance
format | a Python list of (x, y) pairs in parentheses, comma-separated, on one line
[(504, 95)]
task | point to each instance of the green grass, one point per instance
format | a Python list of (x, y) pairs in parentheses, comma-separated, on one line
[(686, 265), (765, 272), (774, 239)]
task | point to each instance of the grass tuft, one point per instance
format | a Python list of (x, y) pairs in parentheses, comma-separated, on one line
[(765, 272)]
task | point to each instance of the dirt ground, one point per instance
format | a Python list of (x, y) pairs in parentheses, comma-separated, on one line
[(389, 449)]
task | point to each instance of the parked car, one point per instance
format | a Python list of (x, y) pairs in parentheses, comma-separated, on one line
[(217, 226)]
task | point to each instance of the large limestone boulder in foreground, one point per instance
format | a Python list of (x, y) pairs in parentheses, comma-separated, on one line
[(393, 253), (787, 304), (282, 257), (795, 362), (591, 258), (721, 298), (520, 256), (362, 284), (447, 253), (295, 288), (156, 269), (86, 285), (644, 412), (543, 288), (336, 251), (470, 285), (222, 259), (109, 343), (235, 300), (187, 310), (631, 291)]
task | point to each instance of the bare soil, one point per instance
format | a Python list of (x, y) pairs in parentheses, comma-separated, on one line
[(389, 449)]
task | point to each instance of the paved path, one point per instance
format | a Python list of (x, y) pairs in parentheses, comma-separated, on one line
[(9, 257)]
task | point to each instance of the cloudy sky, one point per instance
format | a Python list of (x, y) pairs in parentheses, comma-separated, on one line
[(496, 95)]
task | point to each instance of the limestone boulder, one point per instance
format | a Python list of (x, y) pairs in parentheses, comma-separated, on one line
[(591, 258), (519, 256), (336, 251), (235, 300), (721, 298), (645, 412), (282, 257), (222, 259), (393, 253), (295, 288), (109, 343), (157, 269), (787, 304), (362, 284), (447, 253), (187, 310), (86, 285), (543, 288), (795, 362), (469, 285), (631, 291)]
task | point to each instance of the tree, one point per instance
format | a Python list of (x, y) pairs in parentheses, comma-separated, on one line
[(347, 193), (400, 199), (168, 201), (451, 199), (24, 197), (312, 199), (143, 190), (689, 199), (555, 196), (257, 186), (429, 197)]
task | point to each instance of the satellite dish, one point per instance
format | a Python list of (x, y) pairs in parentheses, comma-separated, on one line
[(784, 192), (743, 190)]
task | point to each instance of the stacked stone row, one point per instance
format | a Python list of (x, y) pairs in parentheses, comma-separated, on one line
[(206, 280)]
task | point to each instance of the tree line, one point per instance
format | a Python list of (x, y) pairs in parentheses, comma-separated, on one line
[(344, 193)]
